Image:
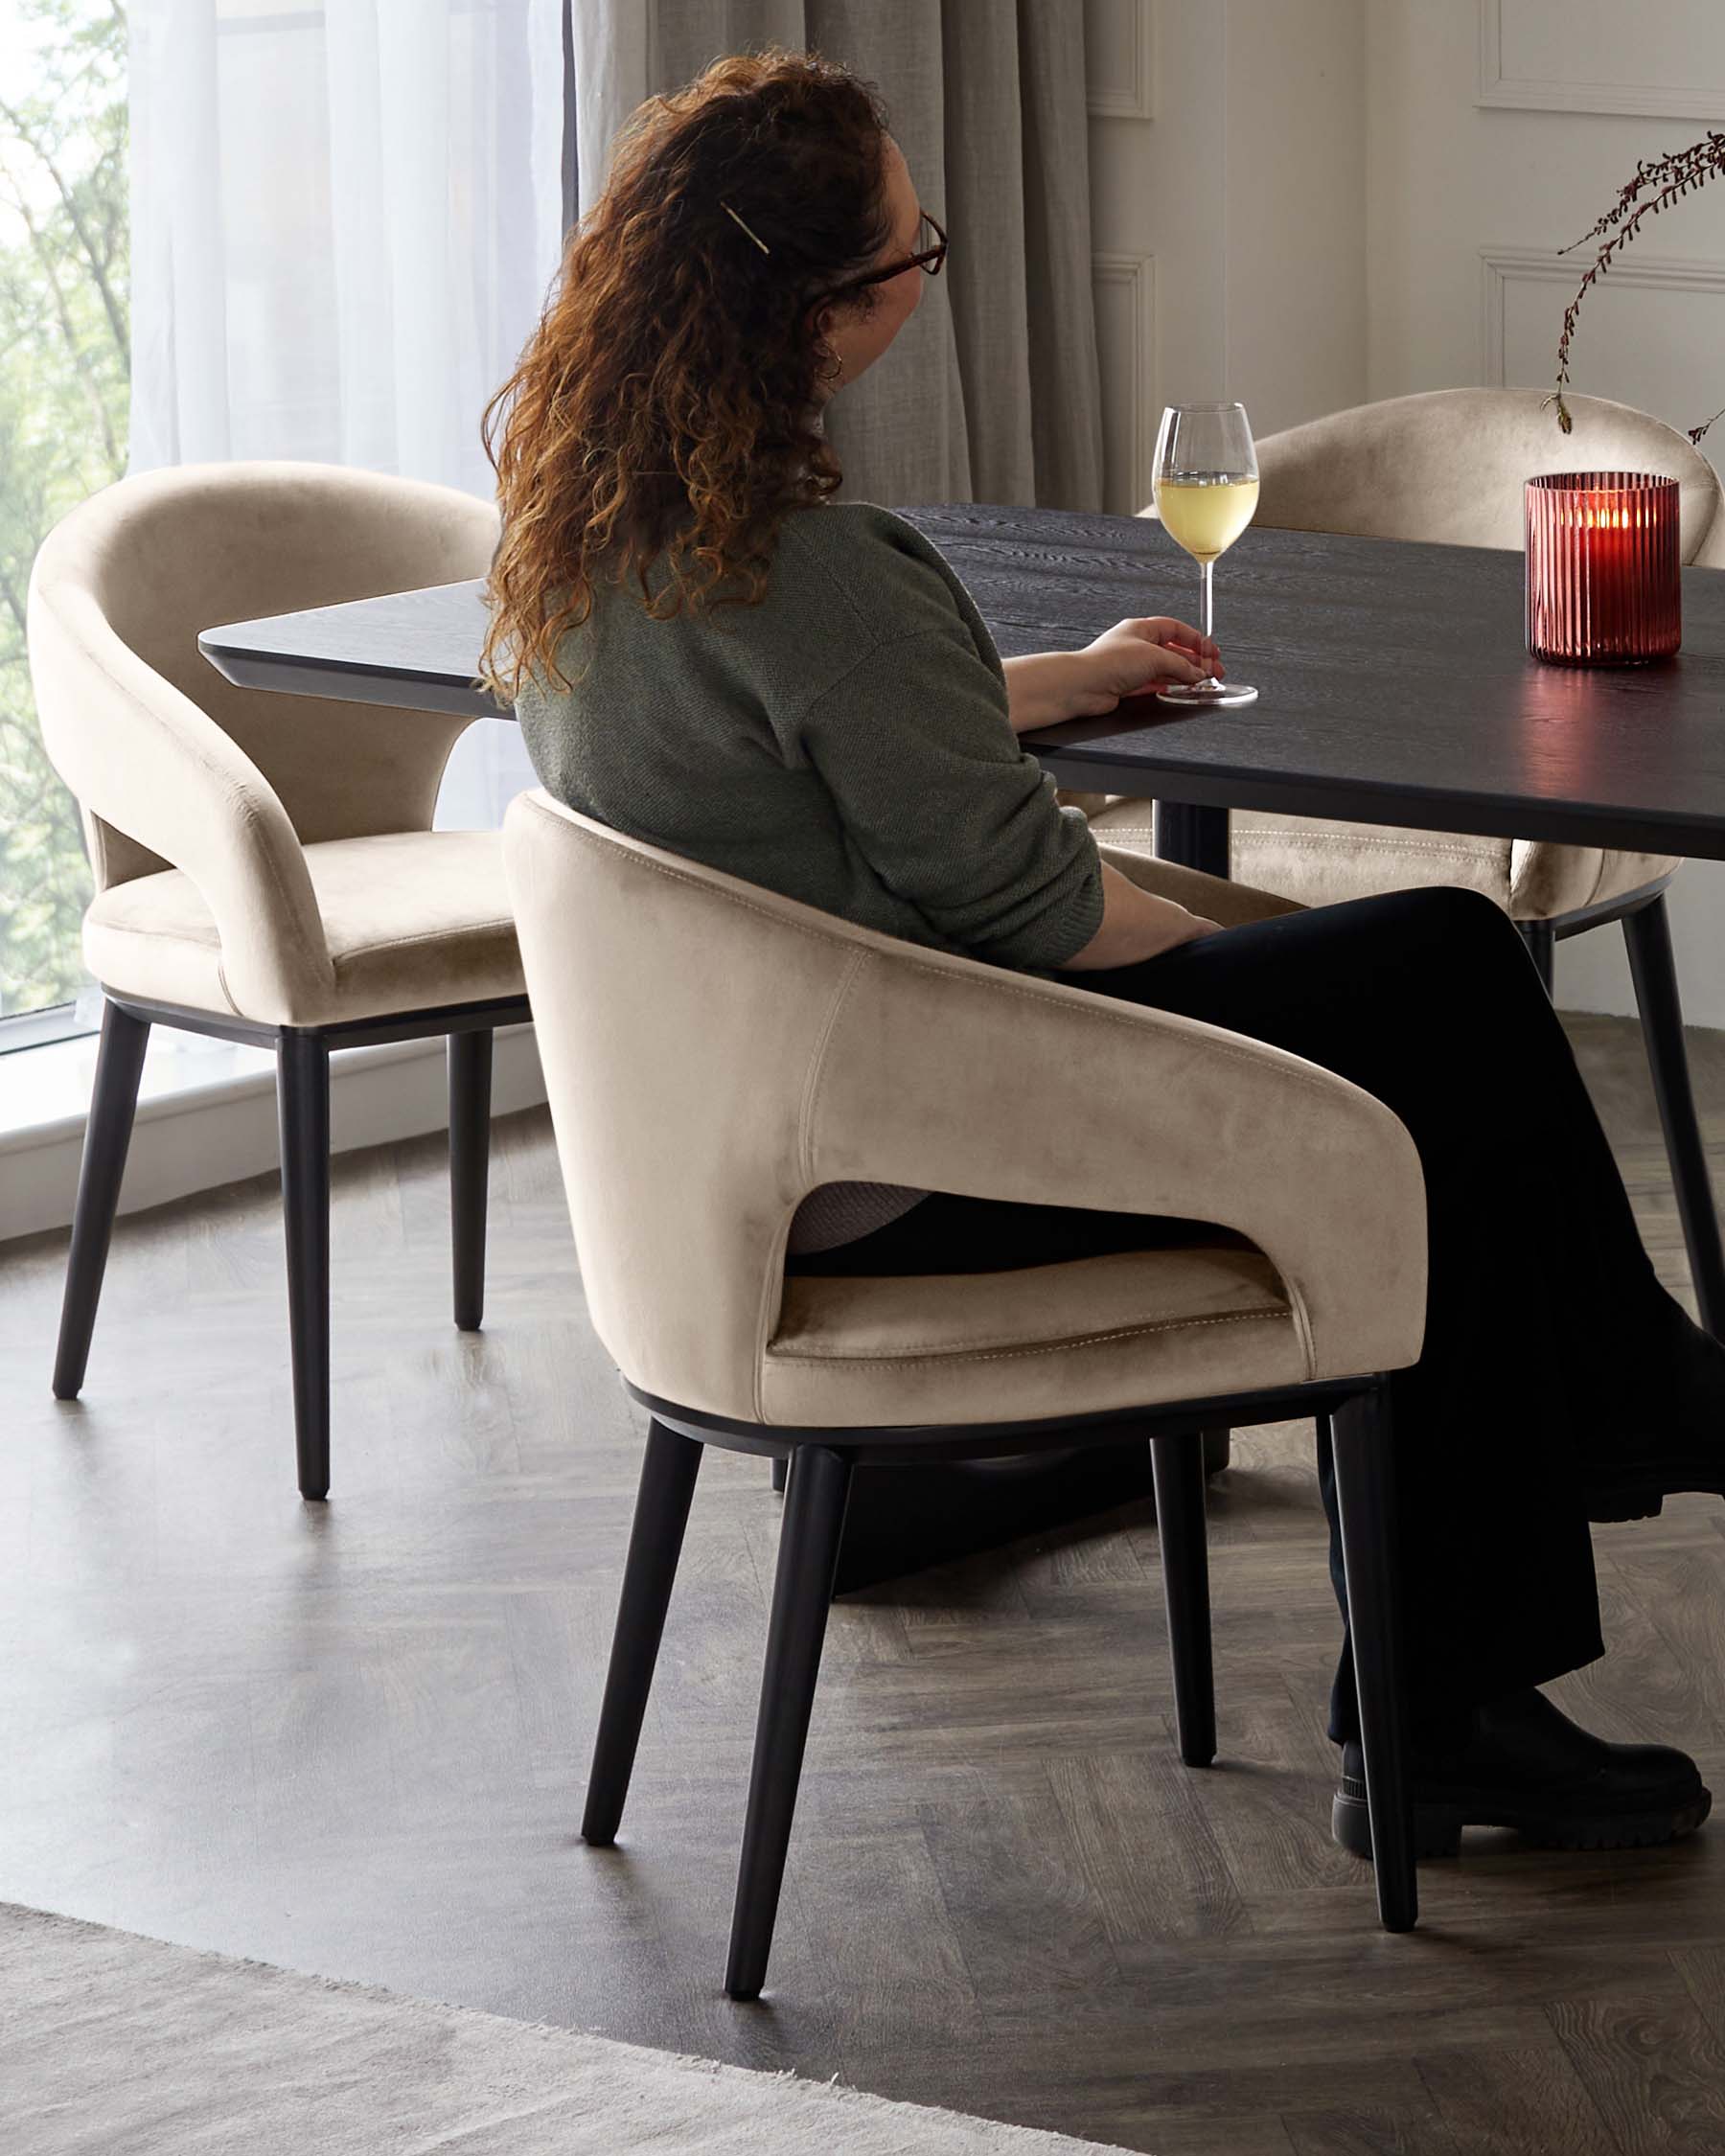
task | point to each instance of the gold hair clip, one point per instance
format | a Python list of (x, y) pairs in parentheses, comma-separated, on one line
[(754, 236)]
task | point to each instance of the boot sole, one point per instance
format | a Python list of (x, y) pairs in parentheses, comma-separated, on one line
[(1642, 1496), (1606, 1511), (1437, 1827)]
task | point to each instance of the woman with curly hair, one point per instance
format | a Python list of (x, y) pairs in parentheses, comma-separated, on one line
[(708, 653)]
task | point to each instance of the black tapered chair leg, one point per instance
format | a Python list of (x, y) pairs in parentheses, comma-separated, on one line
[(469, 1166), (1177, 1464), (655, 1540), (303, 1104), (1648, 933), (808, 1558), (107, 1134), (1361, 1436), (1542, 948), (780, 1471)]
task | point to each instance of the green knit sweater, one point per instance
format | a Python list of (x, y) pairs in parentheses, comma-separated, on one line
[(846, 741)]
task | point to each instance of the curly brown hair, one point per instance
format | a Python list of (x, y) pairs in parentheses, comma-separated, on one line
[(667, 401)]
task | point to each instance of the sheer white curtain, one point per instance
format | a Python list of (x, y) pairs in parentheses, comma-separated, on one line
[(345, 217)]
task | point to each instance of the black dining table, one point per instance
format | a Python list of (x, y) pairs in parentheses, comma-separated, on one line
[(1393, 685), (1393, 688)]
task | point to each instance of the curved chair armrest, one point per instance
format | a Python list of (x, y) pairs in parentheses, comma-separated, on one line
[(146, 759), (950, 1076)]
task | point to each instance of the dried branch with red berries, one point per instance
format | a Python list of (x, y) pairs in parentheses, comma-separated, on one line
[(1657, 183)]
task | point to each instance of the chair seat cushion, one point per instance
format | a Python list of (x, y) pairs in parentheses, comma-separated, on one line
[(413, 920), (1083, 1337), (1320, 861)]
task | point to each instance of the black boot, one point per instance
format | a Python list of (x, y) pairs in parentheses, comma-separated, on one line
[(1525, 1764)]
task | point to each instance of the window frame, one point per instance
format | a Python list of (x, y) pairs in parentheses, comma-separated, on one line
[(21, 1030)]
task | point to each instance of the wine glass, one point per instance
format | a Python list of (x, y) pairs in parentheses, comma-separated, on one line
[(1206, 489)]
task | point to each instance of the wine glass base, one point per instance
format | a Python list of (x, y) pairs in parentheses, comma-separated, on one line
[(1208, 694)]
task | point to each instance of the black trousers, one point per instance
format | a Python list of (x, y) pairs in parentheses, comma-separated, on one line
[(1549, 1344)]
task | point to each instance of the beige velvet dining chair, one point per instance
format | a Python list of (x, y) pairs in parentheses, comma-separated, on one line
[(1448, 465), (713, 1052), (264, 864), (1710, 552)]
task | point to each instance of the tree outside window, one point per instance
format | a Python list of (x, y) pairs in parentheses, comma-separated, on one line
[(65, 380)]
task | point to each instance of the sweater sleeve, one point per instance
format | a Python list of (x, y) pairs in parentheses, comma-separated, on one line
[(917, 748)]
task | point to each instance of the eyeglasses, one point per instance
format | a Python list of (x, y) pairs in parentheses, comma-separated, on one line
[(929, 260)]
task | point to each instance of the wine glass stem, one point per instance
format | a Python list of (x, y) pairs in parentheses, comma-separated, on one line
[(1207, 618)]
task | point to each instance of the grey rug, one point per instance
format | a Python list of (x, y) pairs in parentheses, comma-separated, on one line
[(118, 2044)]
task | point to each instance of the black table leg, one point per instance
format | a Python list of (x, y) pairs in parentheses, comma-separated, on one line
[(905, 1519), (1192, 837)]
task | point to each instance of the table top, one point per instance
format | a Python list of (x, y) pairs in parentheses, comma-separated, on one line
[(1393, 685)]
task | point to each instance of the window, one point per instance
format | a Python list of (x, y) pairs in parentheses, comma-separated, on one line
[(66, 409), (64, 374)]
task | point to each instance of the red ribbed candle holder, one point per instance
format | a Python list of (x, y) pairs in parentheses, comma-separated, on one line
[(1603, 582)]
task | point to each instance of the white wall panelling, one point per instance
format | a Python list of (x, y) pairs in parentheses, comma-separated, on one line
[(1295, 177), (1246, 188), (1165, 205), (1651, 335), (1125, 287), (1119, 58), (1612, 344), (1658, 61)]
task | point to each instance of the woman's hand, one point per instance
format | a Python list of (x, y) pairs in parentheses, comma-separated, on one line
[(1132, 659), (1138, 657)]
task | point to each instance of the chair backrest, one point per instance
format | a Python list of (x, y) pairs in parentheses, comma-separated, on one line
[(680, 1017), (125, 583), (1449, 465), (1710, 552), (714, 1051)]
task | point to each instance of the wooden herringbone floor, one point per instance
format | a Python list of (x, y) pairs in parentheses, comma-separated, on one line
[(352, 1740)]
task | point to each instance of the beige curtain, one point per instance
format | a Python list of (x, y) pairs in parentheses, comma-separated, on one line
[(990, 393)]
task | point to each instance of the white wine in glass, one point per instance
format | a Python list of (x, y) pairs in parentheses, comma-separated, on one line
[(1206, 489)]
